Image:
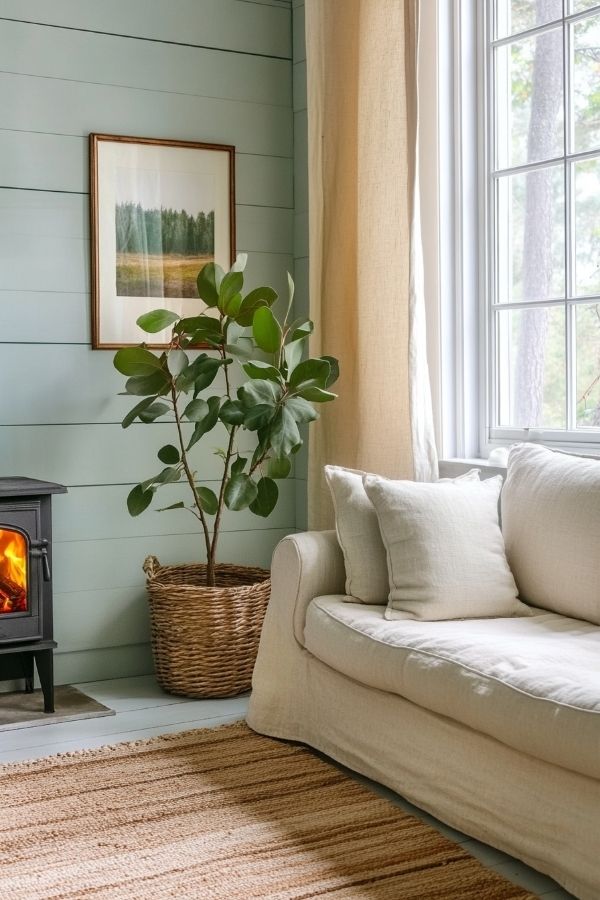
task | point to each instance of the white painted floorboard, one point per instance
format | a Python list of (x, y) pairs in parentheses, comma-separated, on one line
[(144, 710)]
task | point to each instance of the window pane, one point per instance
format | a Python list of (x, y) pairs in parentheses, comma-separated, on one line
[(531, 367), (588, 365), (586, 83), (529, 100), (587, 227), (519, 15), (531, 235), (581, 5)]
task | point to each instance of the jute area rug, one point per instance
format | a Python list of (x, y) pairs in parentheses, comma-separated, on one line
[(220, 813)]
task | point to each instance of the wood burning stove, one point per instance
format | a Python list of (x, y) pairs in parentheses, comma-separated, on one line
[(26, 582)]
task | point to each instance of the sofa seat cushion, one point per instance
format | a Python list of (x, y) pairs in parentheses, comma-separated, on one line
[(532, 683)]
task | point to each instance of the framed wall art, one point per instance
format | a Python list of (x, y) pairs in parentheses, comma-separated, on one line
[(160, 210)]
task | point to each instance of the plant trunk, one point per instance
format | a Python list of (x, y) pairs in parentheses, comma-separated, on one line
[(210, 570)]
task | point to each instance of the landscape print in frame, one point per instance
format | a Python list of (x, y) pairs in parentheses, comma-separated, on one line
[(160, 210)]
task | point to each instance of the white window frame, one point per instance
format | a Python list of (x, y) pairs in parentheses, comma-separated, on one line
[(462, 319)]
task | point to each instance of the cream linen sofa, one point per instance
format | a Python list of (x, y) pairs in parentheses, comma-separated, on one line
[(490, 724)]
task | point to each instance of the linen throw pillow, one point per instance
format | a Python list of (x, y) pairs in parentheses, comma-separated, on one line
[(358, 534), (551, 522), (445, 550)]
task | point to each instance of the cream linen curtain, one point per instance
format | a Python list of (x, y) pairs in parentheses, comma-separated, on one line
[(366, 275)]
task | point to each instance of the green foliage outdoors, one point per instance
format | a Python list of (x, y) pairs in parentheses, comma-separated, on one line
[(276, 398)]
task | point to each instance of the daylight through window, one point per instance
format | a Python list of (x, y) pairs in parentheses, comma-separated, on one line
[(543, 202)]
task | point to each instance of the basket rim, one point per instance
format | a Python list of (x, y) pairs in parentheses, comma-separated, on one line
[(159, 575)]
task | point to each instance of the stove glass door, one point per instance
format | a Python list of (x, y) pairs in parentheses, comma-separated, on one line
[(14, 553)]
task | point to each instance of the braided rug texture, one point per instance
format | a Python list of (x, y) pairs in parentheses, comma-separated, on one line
[(218, 813)]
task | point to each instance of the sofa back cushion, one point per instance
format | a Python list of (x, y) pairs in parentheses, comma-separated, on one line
[(444, 549), (551, 523)]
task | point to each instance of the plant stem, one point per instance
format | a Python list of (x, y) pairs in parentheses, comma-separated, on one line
[(228, 455), (217, 522), (210, 569)]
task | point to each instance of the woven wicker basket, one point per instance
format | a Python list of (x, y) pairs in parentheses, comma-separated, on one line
[(205, 639)]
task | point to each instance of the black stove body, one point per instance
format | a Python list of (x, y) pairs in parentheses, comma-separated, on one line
[(26, 634)]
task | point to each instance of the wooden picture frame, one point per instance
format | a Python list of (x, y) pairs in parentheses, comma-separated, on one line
[(159, 210)]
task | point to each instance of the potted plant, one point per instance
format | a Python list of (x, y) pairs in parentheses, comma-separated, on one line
[(206, 617)]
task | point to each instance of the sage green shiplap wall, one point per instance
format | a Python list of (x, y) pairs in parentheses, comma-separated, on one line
[(211, 70)]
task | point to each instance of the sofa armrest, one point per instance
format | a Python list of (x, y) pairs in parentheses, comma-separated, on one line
[(305, 566)]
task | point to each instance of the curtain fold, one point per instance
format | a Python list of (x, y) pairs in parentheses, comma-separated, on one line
[(366, 278)]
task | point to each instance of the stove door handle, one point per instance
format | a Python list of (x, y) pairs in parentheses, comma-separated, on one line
[(39, 549), (46, 565)]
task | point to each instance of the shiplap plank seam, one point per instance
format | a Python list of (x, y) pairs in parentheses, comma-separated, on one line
[(152, 90), (150, 40)]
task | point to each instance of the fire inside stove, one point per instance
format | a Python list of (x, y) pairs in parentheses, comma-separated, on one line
[(13, 572)]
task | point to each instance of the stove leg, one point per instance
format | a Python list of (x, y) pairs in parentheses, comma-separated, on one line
[(45, 666), (28, 672)]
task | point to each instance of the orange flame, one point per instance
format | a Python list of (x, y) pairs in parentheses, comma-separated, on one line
[(13, 572)]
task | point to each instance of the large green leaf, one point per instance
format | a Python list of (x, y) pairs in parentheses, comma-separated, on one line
[(143, 386), (310, 373), (186, 379), (334, 373), (293, 356), (153, 412), (259, 391), (199, 374), (208, 500), (136, 361), (138, 500), (284, 434), (301, 410), (206, 372), (262, 445), (261, 296), (169, 455), (179, 505), (316, 395), (209, 278), (230, 288), (232, 306), (279, 468), (137, 409), (240, 491), (256, 368), (196, 410), (266, 497), (259, 416), (177, 361), (231, 413), (300, 330), (157, 320), (201, 328), (266, 330), (291, 290), (208, 422), (168, 476), (243, 348), (238, 465)]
